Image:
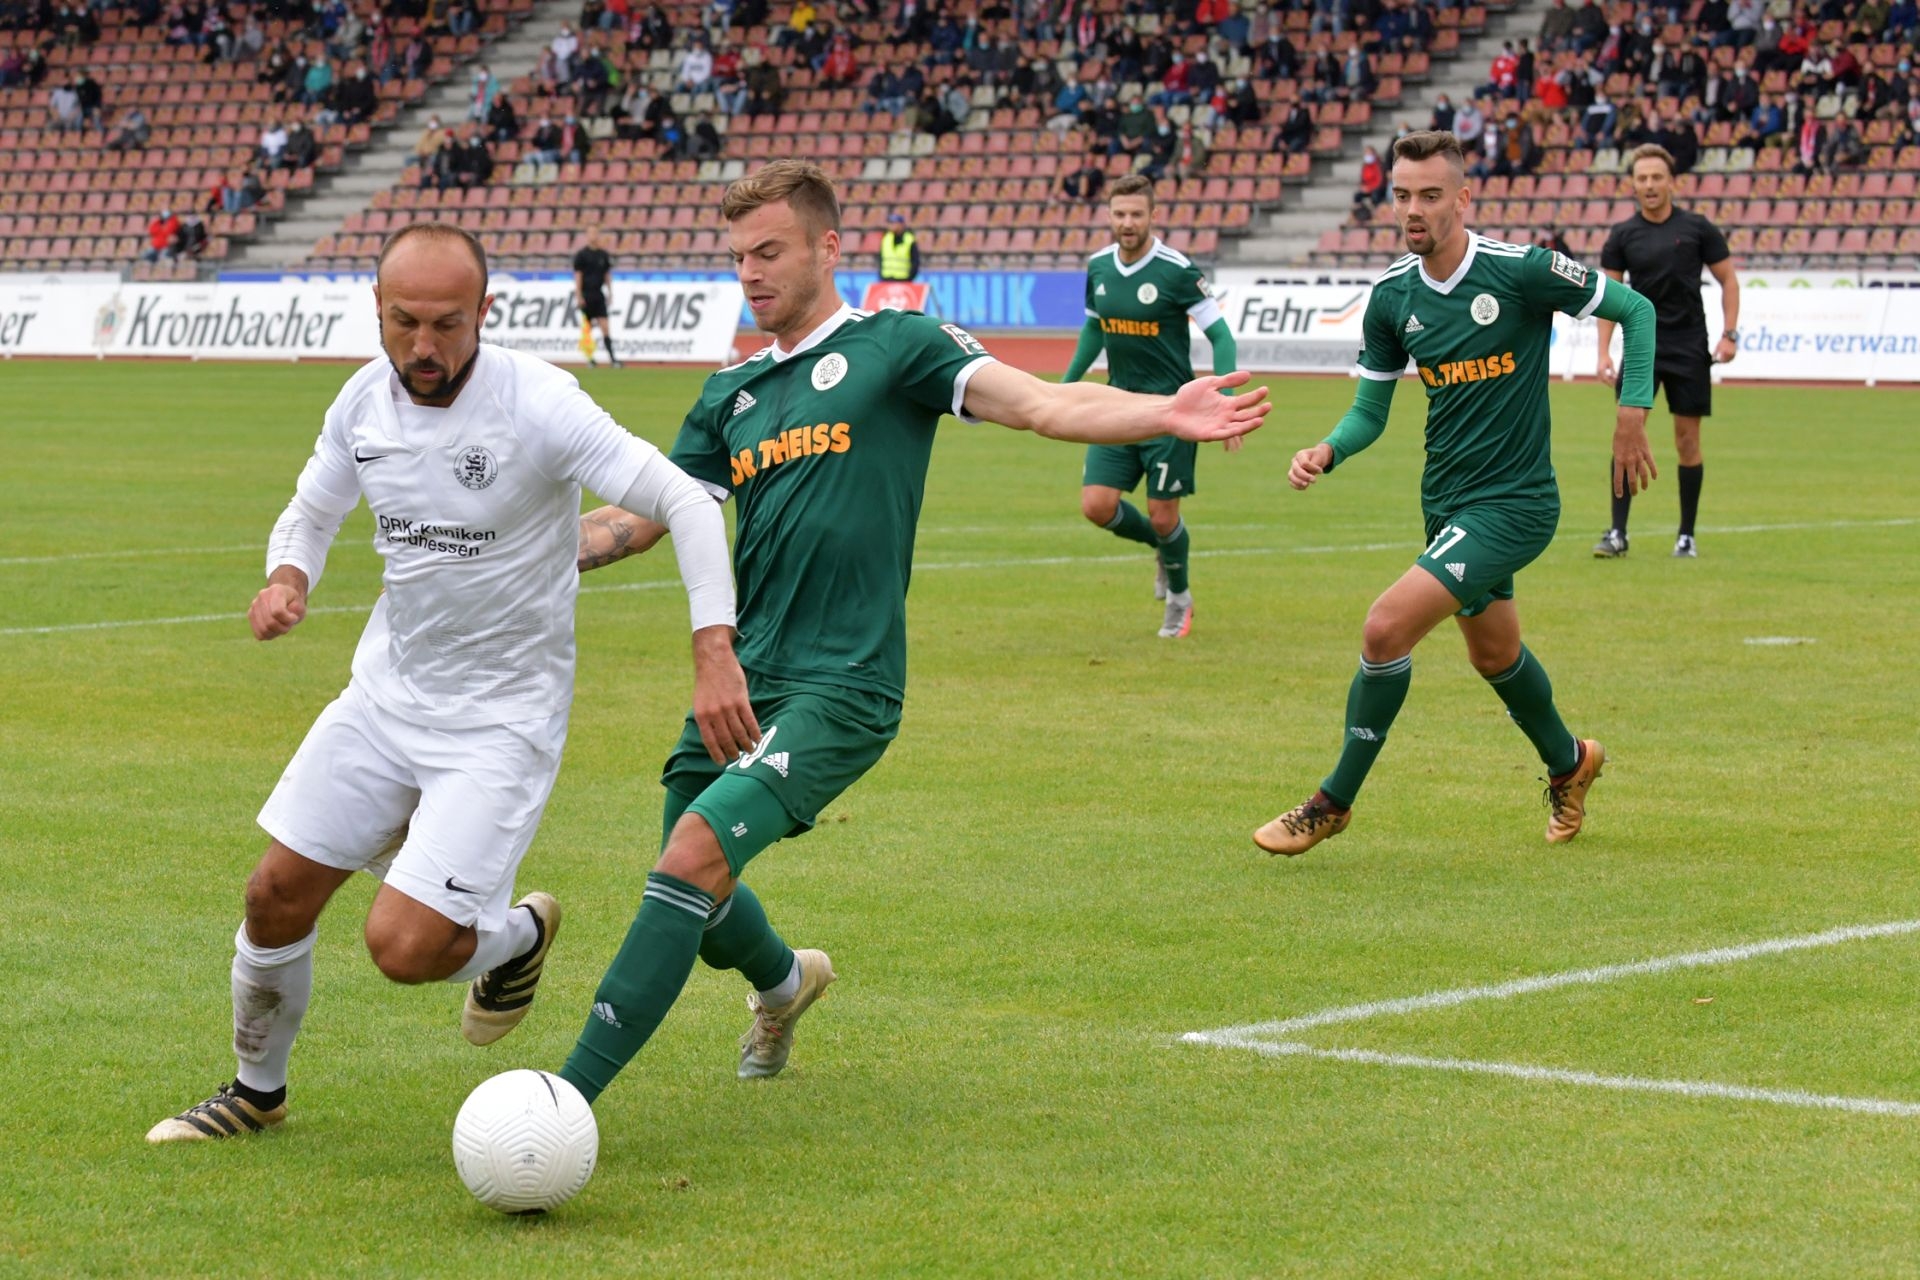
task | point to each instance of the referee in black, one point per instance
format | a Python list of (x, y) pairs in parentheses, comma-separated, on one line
[(591, 268), (1664, 249)]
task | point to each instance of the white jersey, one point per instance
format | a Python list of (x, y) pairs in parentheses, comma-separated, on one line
[(476, 510)]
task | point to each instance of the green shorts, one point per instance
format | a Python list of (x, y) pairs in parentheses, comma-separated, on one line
[(815, 742), (1475, 551), (1166, 461)]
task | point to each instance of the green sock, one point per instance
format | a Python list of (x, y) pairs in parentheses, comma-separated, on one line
[(642, 982), (1373, 700), (739, 937), (1128, 522), (676, 805), (1528, 693), (1173, 555)]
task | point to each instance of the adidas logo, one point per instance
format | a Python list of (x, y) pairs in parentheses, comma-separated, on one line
[(742, 403), (777, 762), (1414, 325), (604, 1011), (1459, 572), (1100, 292), (1364, 734)]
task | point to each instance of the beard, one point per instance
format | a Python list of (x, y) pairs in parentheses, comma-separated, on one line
[(450, 387)]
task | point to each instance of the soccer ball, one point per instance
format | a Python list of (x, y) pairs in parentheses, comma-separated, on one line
[(525, 1142)]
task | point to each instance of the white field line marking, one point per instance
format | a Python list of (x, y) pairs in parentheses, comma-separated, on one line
[(1054, 527), (1243, 1035), (1262, 1037), (1014, 563), (1778, 641), (1635, 1084), (129, 553)]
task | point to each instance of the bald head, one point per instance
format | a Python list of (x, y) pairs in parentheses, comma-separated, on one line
[(431, 289)]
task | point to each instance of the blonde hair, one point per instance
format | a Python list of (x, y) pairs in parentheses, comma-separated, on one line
[(1650, 151), (804, 185)]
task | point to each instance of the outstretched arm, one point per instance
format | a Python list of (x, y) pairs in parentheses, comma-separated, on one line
[(1094, 414), (1360, 427), (1092, 339)]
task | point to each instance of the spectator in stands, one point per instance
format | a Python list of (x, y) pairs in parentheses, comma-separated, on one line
[(1556, 28), (463, 19), (1276, 58), (592, 81), (929, 116), (1743, 24), (630, 115), (1503, 75), (481, 92), (884, 93), (1682, 140), (1294, 137), (316, 83), (1203, 76), (838, 70), (694, 68), (1373, 185), (192, 239), (1243, 103), (503, 122), (564, 45), (1848, 68), (1442, 118), (1162, 148), (1469, 122), (1089, 180), (1589, 27), (93, 100), (799, 19), (443, 170), (575, 146), (944, 42), (1066, 107), (956, 99), (345, 44), (160, 237), (1765, 123), (1843, 148), (416, 58), (355, 101), (1597, 123), (1903, 16), (729, 79), (650, 31), (423, 146), (1357, 81), (1173, 90), (1195, 154), (1735, 94), (133, 131), (1322, 80), (1524, 71), (544, 146), (302, 148), (766, 95), (63, 108), (274, 69), (704, 141), (473, 166), (1519, 152), (13, 65), (252, 191)]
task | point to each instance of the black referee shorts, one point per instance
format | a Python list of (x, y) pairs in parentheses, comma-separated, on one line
[(593, 305), (1688, 382)]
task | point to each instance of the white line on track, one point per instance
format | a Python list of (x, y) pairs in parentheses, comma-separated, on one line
[(1265, 1037), (1397, 544)]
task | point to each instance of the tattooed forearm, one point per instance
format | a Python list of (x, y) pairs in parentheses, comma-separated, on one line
[(605, 538)]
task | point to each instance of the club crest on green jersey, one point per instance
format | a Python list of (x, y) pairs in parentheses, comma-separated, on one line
[(1148, 294), (829, 370), (1485, 309)]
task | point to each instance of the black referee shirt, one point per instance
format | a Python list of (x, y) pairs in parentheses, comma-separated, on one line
[(595, 265), (1663, 261)]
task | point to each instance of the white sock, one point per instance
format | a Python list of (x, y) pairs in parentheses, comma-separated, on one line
[(271, 987), (787, 990), (494, 948), (1182, 598)]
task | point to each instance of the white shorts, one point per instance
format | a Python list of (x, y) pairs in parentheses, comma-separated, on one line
[(467, 800)]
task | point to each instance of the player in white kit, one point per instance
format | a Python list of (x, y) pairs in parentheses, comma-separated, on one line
[(432, 768)]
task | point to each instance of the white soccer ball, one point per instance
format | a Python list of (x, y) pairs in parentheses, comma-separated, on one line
[(525, 1142)]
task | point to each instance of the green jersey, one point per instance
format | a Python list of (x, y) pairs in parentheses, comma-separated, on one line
[(1142, 308), (825, 451), (1480, 342)]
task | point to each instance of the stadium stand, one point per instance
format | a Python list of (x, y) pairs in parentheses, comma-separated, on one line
[(1794, 126), (85, 190), (976, 163)]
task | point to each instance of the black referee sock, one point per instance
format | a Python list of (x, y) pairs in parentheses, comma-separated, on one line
[(606, 341), (1622, 502), (1690, 478), (264, 1099)]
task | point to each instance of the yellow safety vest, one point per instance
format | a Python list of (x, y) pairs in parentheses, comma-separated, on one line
[(896, 256)]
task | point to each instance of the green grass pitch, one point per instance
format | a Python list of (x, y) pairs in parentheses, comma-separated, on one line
[(1046, 882)]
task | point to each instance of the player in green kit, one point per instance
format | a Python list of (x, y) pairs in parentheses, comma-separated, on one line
[(822, 440), (1475, 317), (1139, 296)]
